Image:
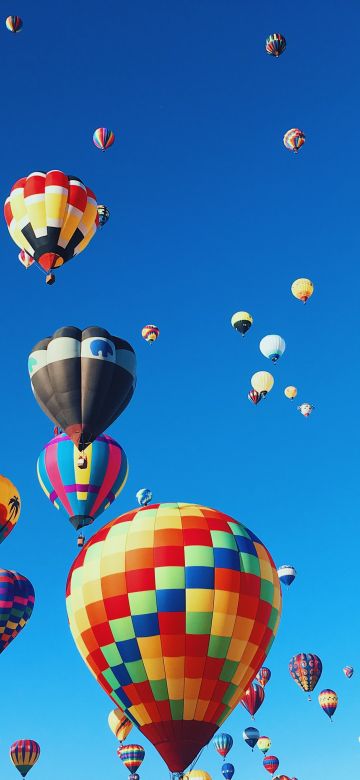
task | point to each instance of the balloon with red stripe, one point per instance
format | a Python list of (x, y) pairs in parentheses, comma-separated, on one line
[(24, 753), (103, 138)]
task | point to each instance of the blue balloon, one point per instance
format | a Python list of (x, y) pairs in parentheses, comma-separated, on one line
[(251, 736), (227, 771)]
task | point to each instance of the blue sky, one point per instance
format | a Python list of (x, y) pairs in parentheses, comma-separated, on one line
[(209, 214)]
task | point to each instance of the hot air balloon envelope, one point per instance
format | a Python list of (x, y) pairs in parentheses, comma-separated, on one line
[(24, 753)]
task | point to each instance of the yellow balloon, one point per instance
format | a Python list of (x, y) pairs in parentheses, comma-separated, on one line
[(10, 506), (302, 289), (262, 382), (290, 392), (120, 725), (242, 321), (197, 774)]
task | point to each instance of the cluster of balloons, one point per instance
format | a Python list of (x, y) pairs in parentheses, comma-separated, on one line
[(275, 45)]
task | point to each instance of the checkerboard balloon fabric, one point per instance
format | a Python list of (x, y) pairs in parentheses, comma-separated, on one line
[(174, 608)]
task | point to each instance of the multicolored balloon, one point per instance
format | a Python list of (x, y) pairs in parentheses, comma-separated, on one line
[(263, 676), (150, 333), (104, 215), (272, 347), (159, 575), (302, 289), (14, 24), (262, 382), (305, 669), (132, 756), (227, 771), (24, 753), (264, 744), (82, 487), (83, 380), (103, 138), (144, 496), (328, 701), (290, 392), (275, 44), (17, 600), (223, 743), (242, 321), (10, 507), (294, 139), (251, 736), (119, 724), (25, 259), (348, 671), (51, 216), (271, 763), (286, 574), (253, 698), (306, 409), (254, 397)]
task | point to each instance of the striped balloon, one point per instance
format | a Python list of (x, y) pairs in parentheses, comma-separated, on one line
[(82, 492), (119, 724), (294, 139), (104, 215), (150, 333), (24, 753), (275, 44), (305, 669), (132, 756), (103, 138), (263, 676), (271, 763), (253, 698), (348, 671), (328, 701), (223, 743), (14, 24), (17, 600)]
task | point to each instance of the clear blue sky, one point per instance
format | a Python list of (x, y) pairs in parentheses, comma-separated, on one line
[(209, 214)]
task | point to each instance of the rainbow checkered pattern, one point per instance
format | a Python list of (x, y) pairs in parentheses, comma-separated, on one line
[(174, 608)]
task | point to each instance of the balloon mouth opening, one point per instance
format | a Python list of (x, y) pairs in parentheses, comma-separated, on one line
[(80, 521), (49, 260)]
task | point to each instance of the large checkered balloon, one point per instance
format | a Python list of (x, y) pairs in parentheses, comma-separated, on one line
[(174, 608)]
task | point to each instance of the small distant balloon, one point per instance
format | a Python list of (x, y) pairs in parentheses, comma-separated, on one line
[(294, 139), (104, 215), (262, 382), (348, 671), (103, 138), (254, 397), (290, 392), (17, 600), (14, 24), (306, 409), (275, 44), (119, 724), (263, 676), (25, 259), (132, 756), (24, 753), (251, 736), (328, 701), (253, 698), (223, 744), (227, 771), (264, 744), (272, 347), (144, 496), (302, 289), (286, 574), (271, 763), (306, 670), (150, 333), (242, 321)]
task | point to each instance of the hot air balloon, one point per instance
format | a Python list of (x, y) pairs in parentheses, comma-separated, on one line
[(104, 215), (271, 763), (348, 671), (103, 138), (305, 669), (150, 333), (306, 409), (302, 289), (275, 44), (51, 216), (290, 392), (264, 744), (132, 756), (272, 347), (197, 774), (227, 771), (223, 743), (82, 380), (25, 259), (17, 599), (119, 724), (251, 736), (262, 382), (328, 701), (294, 139), (24, 753), (14, 24), (286, 574), (10, 507), (82, 486), (254, 397), (281, 777), (168, 581), (242, 321), (263, 676), (253, 698), (144, 496)]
